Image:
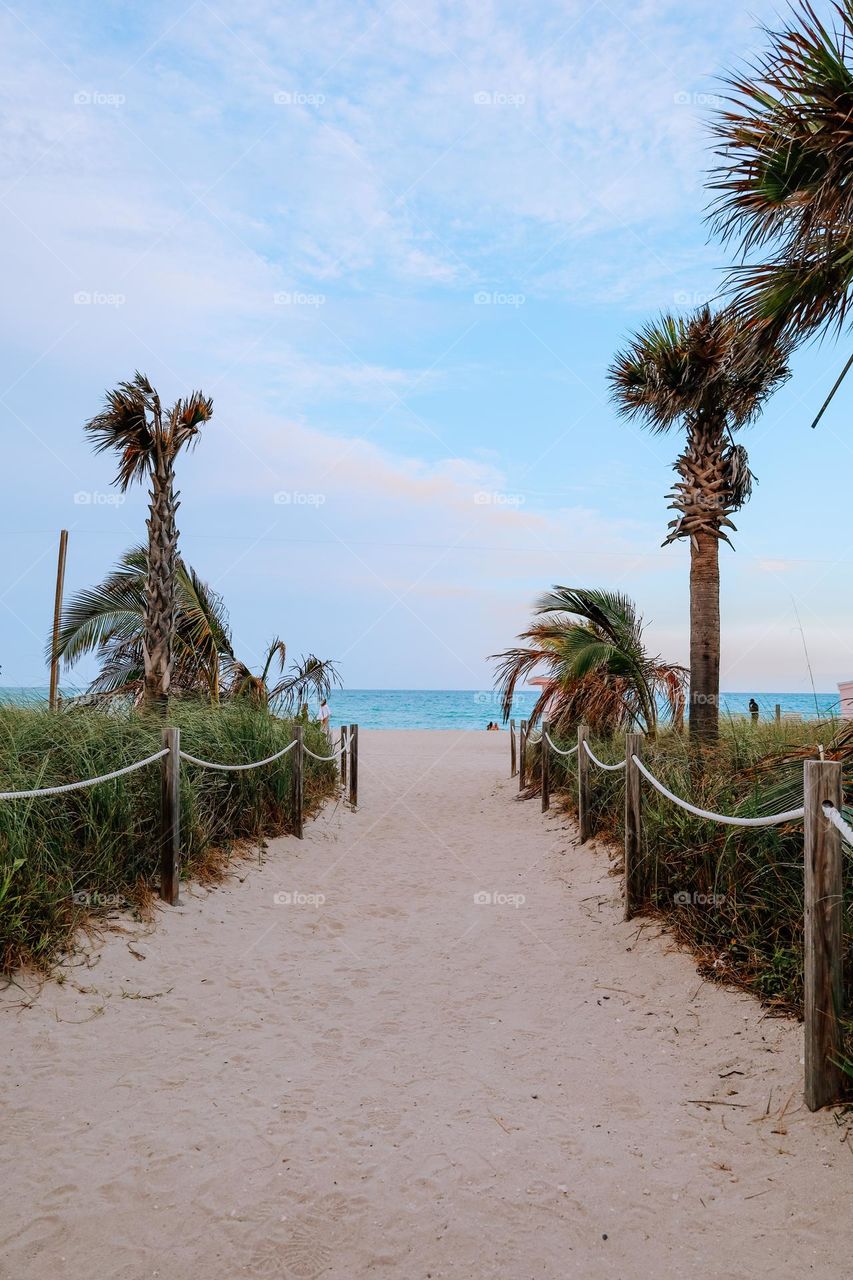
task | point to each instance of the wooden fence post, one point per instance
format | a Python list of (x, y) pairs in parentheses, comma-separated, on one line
[(344, 756), (522, 755), (57, 618), (353, 765), (513, 766), (546, 767), (634, 872), (778, 713), (584, 820), (170, 816), (298, 780), (823, 940)]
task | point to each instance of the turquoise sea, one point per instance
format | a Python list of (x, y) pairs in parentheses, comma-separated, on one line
[(473, 709)]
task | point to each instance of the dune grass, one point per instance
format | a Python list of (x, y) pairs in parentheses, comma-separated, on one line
[(735, 896), (68, 859)]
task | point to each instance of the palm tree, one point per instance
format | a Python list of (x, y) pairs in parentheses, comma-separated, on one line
[(784, 181), (148, 441), (291, 690), (701, 373), (598, 669), (109, 620)]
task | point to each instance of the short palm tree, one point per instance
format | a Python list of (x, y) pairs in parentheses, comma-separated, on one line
[(703, 375), (109, 620), (784, 180), (590, 647), (148, 440), (292, 688)]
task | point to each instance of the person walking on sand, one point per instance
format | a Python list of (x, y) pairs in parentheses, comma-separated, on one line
[(324, 717), (753, 710)]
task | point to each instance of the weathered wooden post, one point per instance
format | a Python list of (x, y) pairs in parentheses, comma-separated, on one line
[(584, 819), (546, 767), (344, 756), (522, 755), (353, 765), (170, 816), (778, 713), (513, 766), (823, 935), (298, 780), (634, 877), (53, 696)]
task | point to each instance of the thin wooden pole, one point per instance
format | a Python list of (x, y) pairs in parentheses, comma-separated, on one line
[(634, 877), (584, 818), (522, 755), (57, 616), (513, 764), (344, 756), (778, 713), (546, 767), (353, 766), (298, 780), (170, 816), (823, 935)]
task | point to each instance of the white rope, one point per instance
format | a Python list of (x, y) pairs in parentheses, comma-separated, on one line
[(333, 756), (771, 820), (600, 763), (531, 742), (88, 782), (571, 751), (837, 821), (236, 768)]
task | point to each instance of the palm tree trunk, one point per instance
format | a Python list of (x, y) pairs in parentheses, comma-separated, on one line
[(704, 637), (160, 597)]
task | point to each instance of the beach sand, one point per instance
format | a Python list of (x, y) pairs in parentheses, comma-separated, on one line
[(399, 1081)]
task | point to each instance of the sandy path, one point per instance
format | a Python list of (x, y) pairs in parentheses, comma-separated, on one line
[(403, 1083)]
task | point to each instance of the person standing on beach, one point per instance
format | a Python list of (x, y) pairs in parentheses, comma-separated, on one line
[(753, 710), (324, 716)]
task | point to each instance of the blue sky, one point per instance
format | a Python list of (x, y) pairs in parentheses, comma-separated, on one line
[(398, 244)]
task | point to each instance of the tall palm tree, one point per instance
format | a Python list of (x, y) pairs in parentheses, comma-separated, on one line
[(590, 644), (109, 620), (784, 180), (148, 440), (703, 374)]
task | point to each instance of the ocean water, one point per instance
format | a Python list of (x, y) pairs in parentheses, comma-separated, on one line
[(473, 709)]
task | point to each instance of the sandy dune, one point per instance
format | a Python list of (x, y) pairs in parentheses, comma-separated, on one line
[(399, 1081)]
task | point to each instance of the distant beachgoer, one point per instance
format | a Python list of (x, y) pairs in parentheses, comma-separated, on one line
[(492, 725), (324, 716), (753, 710)]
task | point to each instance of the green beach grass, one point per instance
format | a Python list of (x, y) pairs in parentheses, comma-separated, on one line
[(67, 860), (734, 896)]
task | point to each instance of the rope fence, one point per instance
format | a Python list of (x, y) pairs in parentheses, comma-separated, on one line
[(824, 829), (170, 756)]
